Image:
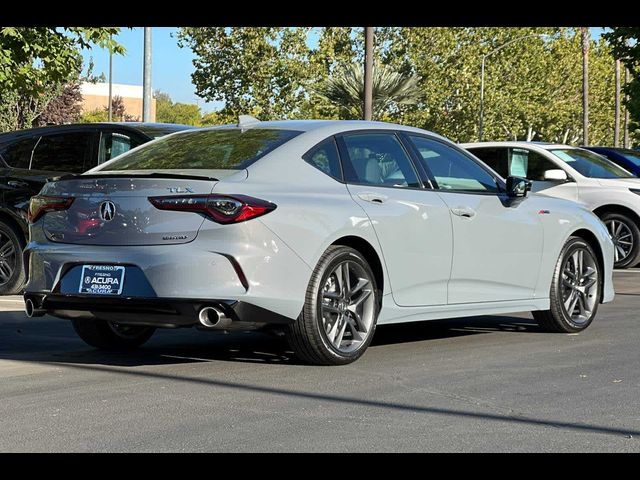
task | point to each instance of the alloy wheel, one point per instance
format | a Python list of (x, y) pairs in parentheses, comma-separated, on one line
[(347, 306), (580, 285), (7, 259), (622, 239)]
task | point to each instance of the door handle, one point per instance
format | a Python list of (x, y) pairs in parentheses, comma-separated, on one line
[(372, 197), (466, 212)]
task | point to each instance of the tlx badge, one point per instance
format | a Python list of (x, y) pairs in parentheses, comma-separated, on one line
[(180, 189)]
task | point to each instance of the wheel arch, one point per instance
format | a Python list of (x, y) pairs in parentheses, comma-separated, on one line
[(589, 237), (8, 219), (370, 254), (621, 209)]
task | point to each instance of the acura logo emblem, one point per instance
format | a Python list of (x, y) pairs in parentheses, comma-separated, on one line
[(107, 211)]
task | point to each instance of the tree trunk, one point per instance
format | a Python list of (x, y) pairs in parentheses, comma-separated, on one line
[(368, 73), (585, 86), (616, 117), (626, 110)]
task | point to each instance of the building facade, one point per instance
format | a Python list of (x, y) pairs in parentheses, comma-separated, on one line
[(95, 96)]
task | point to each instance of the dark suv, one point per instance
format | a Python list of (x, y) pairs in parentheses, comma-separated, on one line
[(29, 157)]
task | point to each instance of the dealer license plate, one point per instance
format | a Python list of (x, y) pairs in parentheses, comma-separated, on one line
[(101, 279)]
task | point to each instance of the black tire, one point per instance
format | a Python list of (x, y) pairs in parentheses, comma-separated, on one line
[(557, 319), (307, 336), (13, 239), (634, 255), (110, 336)]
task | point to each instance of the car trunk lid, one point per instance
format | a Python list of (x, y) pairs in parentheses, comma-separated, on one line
[(114, 208)]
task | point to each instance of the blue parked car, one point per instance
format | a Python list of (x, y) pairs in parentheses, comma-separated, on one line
[(626, 158)]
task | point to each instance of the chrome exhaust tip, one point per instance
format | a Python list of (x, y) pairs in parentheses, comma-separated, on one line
[(31, 310), (211, 317)]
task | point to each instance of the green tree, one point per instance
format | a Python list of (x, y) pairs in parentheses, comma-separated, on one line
[(257, 70), (625, 45), (169, 112), (32, 58), (37, 62), (533, 86), (390, 90), (95, 116), (217, 118)]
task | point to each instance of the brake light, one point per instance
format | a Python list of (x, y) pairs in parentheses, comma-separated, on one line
[(219, 208), (41, 204)]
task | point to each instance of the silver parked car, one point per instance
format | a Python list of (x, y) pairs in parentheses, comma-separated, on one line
[(322, 229)]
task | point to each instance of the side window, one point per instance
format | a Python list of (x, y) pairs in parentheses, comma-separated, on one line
[(66, 152), (452, 169), (528, 164), (113, 144), (325, 158), (378, 159), (18, 154), (496, 158)]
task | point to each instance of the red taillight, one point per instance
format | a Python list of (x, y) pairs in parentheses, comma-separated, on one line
[(41, 204), (219, 208)]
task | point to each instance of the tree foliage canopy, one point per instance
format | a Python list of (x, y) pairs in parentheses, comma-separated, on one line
[(532, 86), (625, 44), (391, 91), (33, 58), (169, 112), (37, 63)]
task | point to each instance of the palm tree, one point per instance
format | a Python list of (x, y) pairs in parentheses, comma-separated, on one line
[(390, 89)]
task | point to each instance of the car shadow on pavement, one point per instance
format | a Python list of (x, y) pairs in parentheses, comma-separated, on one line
[(52, 340), (450, 328)]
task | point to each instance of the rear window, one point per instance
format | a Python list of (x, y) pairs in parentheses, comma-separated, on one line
[(219, 149)]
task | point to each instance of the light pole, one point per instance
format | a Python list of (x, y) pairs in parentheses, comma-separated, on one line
[(146, 77), (484, 59), (110, 115)]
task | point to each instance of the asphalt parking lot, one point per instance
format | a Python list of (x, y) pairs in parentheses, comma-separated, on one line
[(475, 384)]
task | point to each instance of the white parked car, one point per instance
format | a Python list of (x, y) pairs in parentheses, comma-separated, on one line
[(577, 174), (322, 229)]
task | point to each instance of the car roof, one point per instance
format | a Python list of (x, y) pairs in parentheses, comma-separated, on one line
[(521, 144), (147, 128), (328, 127), (612, 149)]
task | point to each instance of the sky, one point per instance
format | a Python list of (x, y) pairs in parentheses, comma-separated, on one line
[(171, 66)]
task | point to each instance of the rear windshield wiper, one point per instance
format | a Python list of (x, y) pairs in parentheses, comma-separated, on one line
[(132, 175)]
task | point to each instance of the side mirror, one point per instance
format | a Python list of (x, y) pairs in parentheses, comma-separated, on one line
[(555, 175), (517, 187)]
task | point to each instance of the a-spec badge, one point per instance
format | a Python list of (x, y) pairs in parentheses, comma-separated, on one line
[(180, 189), (175, 237), (544, 212)]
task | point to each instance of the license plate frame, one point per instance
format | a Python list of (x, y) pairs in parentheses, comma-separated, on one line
[(102, 280)]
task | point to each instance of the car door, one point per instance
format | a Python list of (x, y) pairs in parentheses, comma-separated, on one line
[(65, 152), (529, 164), (17, 182), (497, 242), (411, 222)]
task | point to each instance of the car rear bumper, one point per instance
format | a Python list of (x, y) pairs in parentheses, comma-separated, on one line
[(157, 312), (247, 265)]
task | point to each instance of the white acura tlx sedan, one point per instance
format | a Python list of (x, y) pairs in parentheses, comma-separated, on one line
[(319, 229)]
